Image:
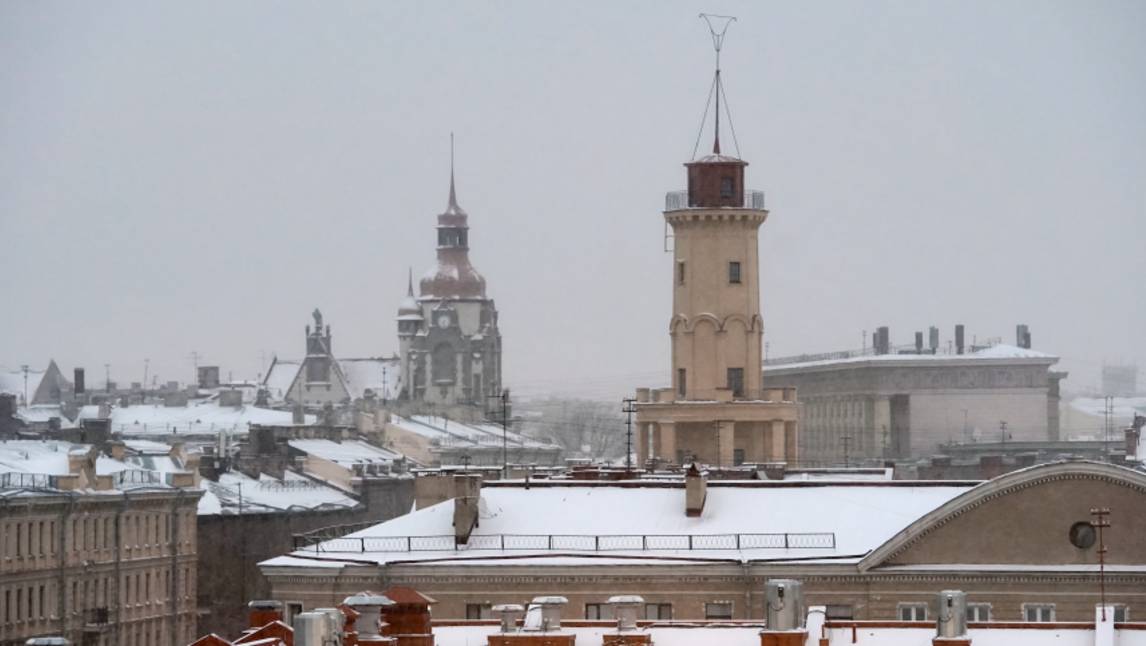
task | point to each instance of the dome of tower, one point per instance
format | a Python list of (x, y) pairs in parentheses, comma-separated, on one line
[(453, 278)]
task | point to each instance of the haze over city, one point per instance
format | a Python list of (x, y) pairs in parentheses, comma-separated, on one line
[(179, 177)]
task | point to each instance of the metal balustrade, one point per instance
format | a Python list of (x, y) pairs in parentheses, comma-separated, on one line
[(567, 542)]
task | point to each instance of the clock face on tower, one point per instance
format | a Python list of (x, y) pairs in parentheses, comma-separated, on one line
[(443, 320)]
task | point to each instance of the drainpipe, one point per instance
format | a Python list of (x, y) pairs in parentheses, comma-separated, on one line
[(115, 626), (747, 590), (173, 542), (62, 585)]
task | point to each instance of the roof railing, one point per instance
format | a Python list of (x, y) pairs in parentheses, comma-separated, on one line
[(678, 201), (572, 542)]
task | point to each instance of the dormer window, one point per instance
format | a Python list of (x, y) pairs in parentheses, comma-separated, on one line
[(727, 187)]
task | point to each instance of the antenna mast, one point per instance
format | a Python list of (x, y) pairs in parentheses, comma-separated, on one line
[(717, 28)]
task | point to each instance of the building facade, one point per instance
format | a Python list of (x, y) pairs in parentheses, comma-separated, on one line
[(103, 560), (448, 336), (1022, 546), (884, 406)]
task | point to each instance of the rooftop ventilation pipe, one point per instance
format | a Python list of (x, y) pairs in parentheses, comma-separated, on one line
[(544, 614), (369, 608), (625, 609), (508, 614), (784, 604), (951, 619), (314, 629)]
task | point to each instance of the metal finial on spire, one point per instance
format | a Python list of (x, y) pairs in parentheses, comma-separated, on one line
[(453, 194), (410, 282)]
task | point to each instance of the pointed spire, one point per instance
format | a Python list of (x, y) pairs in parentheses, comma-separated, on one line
[(410, 283), (453, 194)]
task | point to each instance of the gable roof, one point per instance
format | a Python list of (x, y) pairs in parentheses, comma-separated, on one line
[(991, 489)]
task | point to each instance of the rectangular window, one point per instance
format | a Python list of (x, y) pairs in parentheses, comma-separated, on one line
[(680, 273), (478, 611), (718, 610), (658, 611), (979, 612), (734, 272), (598, 611), (840, 611), (736, 381), (1041, 612), (1121, 614), (681, 384), (737, 457), (727, 187), (912, 611)]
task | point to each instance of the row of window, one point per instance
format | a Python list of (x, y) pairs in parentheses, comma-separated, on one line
[(733, 272), (38, 537), (31, 602), (717, 610), (1033, 612)]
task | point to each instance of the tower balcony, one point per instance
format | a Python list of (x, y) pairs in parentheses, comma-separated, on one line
[(679, 201)]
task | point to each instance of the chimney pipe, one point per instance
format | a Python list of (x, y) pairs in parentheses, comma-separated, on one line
[(508, 614), (544, 614), (625, 609), (369, 608), (695, 491), (784, 605), (933, 339), (918, 343), (959, 339), (951, 619)]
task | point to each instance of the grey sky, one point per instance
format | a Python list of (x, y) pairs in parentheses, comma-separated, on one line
[(201, 175)]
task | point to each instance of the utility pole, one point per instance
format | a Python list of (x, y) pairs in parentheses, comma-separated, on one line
[(1107, 416), (504, 397), (146, 365), (847, 442), (195, 356), (383, 384), (628, 408), (1100, 522)]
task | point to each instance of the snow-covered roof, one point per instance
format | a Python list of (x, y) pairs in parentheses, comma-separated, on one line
[(280, 376), (346, 453), (12, 382), (363, 374), (41, 413), (1124, 408), (861, 518), (742, 633), (46, 457), (196, 418), (447, 431), (293, 493), (1001, 352)]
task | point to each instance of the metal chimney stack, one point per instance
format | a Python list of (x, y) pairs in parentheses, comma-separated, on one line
[(933, 339), (951, 617), (312, 629), (784, 604), (625, 609), (959, 339), (1023, 336), (508, 614), (918, 343)]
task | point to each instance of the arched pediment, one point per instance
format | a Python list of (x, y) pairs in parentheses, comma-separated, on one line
[(952, 518)]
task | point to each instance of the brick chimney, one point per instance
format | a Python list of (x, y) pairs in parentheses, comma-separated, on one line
[(408, 619), (695, 491), (467, 495), (263, 612), (1132, 437)]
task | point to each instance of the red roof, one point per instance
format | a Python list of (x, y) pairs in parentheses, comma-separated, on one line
[(408, 596)]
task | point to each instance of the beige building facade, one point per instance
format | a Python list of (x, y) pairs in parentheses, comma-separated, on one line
[(102, 568)]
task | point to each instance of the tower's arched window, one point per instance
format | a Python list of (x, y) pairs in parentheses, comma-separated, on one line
[(727, 187)]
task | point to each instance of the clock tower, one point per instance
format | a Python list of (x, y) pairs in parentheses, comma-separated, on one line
[(447, 333)]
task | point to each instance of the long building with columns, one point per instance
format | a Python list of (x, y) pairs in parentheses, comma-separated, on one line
[(717, 411)]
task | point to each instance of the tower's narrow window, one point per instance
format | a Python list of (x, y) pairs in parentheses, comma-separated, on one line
[(680, 273), (736, 381), (734, 272), (681, 385), (727, 187)]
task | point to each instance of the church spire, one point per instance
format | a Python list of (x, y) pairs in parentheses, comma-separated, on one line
[(410, 282), (453, 194)]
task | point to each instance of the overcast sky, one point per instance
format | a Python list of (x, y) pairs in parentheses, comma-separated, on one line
[(199, 176)]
